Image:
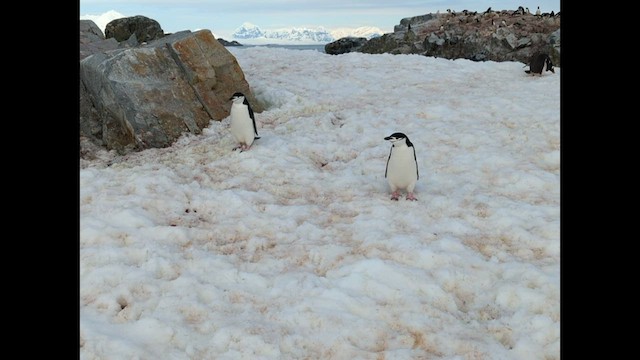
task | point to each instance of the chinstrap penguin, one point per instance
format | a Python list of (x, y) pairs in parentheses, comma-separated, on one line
[(243, 122), (402, 166), (540, 63)]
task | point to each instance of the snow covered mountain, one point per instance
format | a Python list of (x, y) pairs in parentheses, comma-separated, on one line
[(319, 35), (248, 31), (368, 32)]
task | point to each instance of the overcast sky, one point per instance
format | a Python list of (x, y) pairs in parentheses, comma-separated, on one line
[(223, 17)]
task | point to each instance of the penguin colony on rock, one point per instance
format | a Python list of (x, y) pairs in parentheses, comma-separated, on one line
[(401, 171)]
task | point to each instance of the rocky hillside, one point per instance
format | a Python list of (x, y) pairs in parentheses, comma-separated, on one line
[(505, 35)]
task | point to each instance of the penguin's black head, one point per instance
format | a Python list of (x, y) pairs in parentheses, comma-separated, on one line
[(395, 137), (236, 95)]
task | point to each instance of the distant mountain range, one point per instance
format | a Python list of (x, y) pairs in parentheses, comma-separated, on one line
[(319, 35)]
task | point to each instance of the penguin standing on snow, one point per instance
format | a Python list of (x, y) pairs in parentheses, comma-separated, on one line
[(540, 63), (402, 166), (243, 122)]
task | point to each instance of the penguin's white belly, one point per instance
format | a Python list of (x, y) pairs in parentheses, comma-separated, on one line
[(242, 125), (401, 171)]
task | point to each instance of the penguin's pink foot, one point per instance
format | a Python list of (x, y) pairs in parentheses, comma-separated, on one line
[(395, 195), (411, 197), (242, 148)]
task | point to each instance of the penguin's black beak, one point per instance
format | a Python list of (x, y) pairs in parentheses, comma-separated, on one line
[(388, 138)]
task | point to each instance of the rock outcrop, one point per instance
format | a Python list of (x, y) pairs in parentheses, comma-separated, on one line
[(132, 98), (229, 43), (344, 45), (507, 35), (142, 27), (92, 40)]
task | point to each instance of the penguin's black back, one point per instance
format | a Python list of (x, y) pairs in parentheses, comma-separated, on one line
[(246, 102), (537, 63)]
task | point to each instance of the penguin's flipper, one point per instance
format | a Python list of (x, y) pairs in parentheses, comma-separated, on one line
[(387, 167), (252, 116), (416, 160)]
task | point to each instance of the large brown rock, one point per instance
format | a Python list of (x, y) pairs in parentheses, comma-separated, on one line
[(148, 96)]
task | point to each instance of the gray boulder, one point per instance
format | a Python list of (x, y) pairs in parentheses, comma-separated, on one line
[(148, 96), (92, 40), (554, 52), (90, 32), (144, 28)]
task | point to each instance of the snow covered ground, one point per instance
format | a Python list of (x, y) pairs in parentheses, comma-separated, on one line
[(294, 250)]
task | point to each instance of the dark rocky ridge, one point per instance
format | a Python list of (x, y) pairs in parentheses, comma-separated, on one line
[(505, 35), (228, 43), (344, 45)]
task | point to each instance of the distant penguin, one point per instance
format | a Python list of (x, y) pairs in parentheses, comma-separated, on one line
[(402, 166), (540, 63), (243, 122), (527, 11), (538, 11)]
